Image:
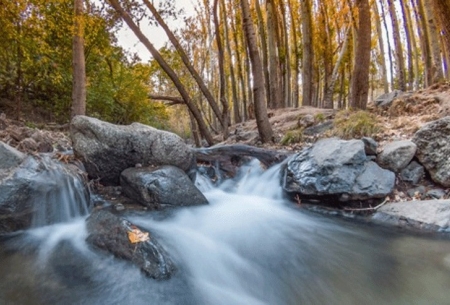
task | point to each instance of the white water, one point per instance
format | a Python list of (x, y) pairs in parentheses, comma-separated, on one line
[(248, 246)]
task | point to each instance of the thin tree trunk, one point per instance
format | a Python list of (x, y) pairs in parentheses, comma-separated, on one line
[(388, 40), (408, 35), (424, 42), (442, 11), (264, 51), (296, 51), (169, 71), (274, 64), (222, 82), (381, 46), (400, 61), (360, 79), (435, 46), (187, 62), (285, 60), (78, 63), (308, 56), (262, 121)]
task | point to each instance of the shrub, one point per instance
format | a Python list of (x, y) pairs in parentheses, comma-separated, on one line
[(349, 124), (292, 137)]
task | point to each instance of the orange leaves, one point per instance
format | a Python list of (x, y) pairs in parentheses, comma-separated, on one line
[(135, 235)]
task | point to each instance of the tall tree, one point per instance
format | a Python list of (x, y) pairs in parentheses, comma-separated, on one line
[(262, 120), (169, 71), (360, 78), (442, 10), (399, 59), (78, 61), (308, 55)]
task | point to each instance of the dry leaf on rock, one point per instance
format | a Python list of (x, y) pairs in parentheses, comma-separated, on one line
[(136, 236)]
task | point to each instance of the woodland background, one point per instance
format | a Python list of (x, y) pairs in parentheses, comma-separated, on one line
[(230, 62)]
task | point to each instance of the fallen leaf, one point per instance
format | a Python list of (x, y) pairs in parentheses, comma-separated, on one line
[(136, 236)]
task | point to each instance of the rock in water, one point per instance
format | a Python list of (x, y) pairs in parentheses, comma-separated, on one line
[(111, 233), (161, 186), (433, 149), (338, 169), (107, 149)]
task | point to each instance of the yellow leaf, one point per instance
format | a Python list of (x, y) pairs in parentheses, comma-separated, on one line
[(136, 236)]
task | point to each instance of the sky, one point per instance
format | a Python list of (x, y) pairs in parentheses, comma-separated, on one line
[(156, 35)]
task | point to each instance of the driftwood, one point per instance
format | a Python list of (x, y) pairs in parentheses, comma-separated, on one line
[(228, 158)]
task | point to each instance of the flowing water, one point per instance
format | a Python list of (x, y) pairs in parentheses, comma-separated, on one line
[(248, 246)]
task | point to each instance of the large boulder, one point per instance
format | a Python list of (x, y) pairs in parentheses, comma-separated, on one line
[(397, 155), (160, 187), (107, 149), (336, 169), (112, 234), (40, 192), (9, 158), (433, 149)]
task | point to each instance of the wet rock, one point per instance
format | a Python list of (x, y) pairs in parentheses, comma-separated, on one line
[(109, 232), (431, 215), (336, 168), (160, 187), (41, 192), (397, 155), (370, 146), (107, 149), (9, 157), (433, 149), (413, 173)]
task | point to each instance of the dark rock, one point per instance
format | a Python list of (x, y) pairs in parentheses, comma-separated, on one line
[(386, 99), (161, 186), (370, 146), (107, 149), (110, 233), (41, 192), (413, 173), (306, 121), (397, 155), (336, 168), (433, 149), (435, 194)]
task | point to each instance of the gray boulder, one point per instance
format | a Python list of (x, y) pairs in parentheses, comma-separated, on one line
[(370, 146), (412, 173), (433, 215), (41, 192), (160, 187), (386, 99), (433, 149), (338, 169), (397, 155), (109, 232), (9, 157), (107, 149)]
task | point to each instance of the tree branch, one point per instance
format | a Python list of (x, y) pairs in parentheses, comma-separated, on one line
[(172, 100)]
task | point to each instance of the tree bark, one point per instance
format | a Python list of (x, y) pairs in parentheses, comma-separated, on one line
[(274, 64), (78, 63), (424, 41), (400, 61), (296, 51), (435, 41), (264, 51), (169, 71), (308, 56), (360, 78), (262, 120), (187, 62), (381, 46), (442, 10)]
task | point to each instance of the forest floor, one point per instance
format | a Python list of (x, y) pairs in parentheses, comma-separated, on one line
[(294, 128)]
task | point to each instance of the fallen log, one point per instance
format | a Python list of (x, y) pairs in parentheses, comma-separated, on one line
[(228, 158)]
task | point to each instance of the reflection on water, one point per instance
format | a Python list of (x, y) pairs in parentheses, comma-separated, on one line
[(247, 247)]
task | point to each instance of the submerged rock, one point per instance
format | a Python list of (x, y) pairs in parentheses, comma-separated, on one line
[(161, 186), (110, 233), (338, 169), (107, 149), (433, 149)]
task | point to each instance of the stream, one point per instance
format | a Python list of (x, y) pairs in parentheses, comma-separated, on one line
[(249, 246)]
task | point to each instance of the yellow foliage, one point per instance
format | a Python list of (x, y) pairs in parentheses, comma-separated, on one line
[(350, 124)]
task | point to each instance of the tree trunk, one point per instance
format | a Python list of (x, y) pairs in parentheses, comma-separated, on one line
[(296, 51), (264, 51), (400, 61), (381, 46), (424, 41), (285, 60), (78, 63), (435, 42), (391, 61), (262, 121), (308, 56), (187, 62), (442, 11), (274, 73), (169, 71), (408, 35), (222, 82), (360, 78)]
